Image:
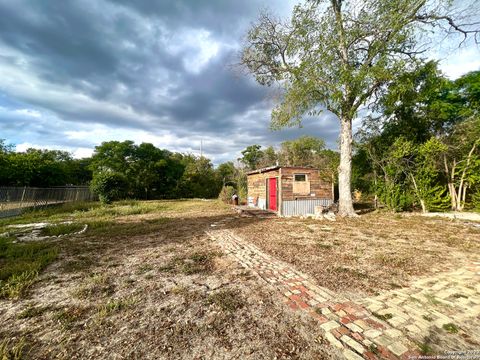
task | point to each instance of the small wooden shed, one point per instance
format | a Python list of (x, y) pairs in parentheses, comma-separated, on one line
[(288, 190)]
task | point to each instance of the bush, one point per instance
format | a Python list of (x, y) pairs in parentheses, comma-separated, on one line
[(476, 200), (109, 186), (226, 193)]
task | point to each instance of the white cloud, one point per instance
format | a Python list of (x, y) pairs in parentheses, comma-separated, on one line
[(199, 47), (28, 112), (460, 62)]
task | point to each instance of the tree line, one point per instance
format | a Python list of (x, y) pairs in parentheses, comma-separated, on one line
[(116, 170), (422, 148)]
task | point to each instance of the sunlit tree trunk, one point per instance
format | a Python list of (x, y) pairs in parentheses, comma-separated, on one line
[(345, 169)]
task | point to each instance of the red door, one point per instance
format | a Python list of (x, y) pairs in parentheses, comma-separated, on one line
[(272, 194)]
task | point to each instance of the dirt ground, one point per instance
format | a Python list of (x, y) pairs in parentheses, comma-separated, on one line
[(363, 256), (148, 283)]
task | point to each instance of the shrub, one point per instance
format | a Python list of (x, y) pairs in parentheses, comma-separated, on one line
[(226, 193), (109, 186), (476, 200)]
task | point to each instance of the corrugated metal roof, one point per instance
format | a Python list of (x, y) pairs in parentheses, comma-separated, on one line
[(271, 168)]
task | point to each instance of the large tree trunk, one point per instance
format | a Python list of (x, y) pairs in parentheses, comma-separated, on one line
[(345, 207)]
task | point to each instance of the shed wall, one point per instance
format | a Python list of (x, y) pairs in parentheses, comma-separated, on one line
[(291, 203), (319, 188), (257, 188)]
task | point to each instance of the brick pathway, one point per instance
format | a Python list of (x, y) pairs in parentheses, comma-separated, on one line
[(387, 326)]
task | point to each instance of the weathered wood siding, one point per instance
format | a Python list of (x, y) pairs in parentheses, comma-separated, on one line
[(319, 188), (257, 184)]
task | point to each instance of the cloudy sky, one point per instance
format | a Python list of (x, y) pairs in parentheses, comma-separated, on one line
[(76, 73)]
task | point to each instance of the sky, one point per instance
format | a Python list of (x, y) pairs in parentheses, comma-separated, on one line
[(76, 73)]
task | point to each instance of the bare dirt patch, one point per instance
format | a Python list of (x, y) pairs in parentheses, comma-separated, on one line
[(365, 255), (148, 283)]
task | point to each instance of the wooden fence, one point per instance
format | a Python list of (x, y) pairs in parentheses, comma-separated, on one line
[(14, 200)]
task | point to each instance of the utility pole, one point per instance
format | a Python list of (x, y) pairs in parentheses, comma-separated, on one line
[(201, 148)]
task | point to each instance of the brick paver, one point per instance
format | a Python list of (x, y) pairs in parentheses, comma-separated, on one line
[(387, 326)]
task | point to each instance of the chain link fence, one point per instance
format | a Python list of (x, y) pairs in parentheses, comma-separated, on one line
[(14, 200)]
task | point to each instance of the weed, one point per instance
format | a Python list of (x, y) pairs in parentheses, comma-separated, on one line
[(383, 317), (21, 263), (425, 349), (197, 262), (427, 317), (227, 300), (61, 229), (373, 348), (450, 328), (394, 285), (32, 311), (355, 273), (144, 269), (68, 317), (12, 351), (431, 299), (115, 305), (95, 286), (80, 263), (17, 285), (324, 246)]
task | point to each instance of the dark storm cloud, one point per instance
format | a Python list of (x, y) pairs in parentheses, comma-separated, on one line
[(161, 67)]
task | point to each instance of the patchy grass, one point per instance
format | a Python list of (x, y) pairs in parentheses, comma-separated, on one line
[(227, 300), (116, 305), (427, 318), (95, 286), (194, 263), (383, 317), (425, 349), (145, 281), (20, 264), (61, 229), (450, 328), (71, 316), (12, 350), (32, 311), (365, 255)]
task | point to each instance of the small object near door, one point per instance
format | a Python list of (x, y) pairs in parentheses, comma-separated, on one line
[(272, 194)]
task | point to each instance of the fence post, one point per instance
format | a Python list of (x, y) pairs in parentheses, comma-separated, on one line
[(23, 196)]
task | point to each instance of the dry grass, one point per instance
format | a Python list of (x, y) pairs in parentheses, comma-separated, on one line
[(365, 255), (144, 281)]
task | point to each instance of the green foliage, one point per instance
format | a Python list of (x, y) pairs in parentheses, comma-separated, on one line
[(395, 196), (226, 194), (303, 151), (252, 156), (199, 179), (21, 263), (109, 186), (41, 168), (61, 229), (10, 350), (476, 199), (155, 173), (424, 140)]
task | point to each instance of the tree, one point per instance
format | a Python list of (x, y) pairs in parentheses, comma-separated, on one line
[(461, 160), (252, 156), (199, 178), (226, 173), (109, 186), (269, 157), (338, 55), (303, 151)]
